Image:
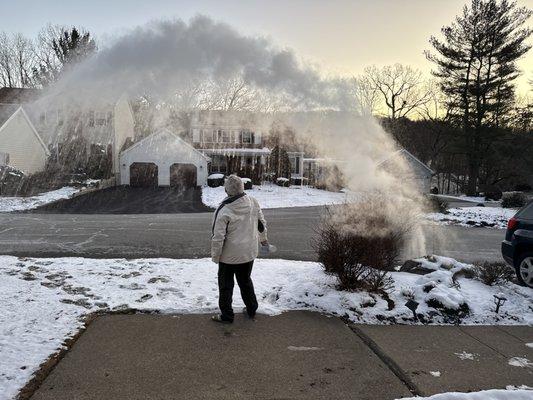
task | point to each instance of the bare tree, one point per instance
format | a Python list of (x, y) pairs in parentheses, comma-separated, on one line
[(366, 95), (16, 60), (401, 87)]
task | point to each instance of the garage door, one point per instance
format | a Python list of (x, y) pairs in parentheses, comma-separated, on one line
[(183, 176), (143, 175)]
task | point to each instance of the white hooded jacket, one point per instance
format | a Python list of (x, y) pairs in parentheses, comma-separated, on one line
[(236, 230)]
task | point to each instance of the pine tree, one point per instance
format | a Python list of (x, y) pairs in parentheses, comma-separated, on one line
[(476, 67)]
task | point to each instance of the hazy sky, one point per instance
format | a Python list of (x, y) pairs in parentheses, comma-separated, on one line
[(341, 36)]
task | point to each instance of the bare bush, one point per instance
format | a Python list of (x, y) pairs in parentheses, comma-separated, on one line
[(513, 200), (493, 273), (436, 204), (359, 243)]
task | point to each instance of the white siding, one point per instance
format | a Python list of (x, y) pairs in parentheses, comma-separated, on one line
[(196, 135), (163, 149), (257, 137), (18, 140), (123, 125)]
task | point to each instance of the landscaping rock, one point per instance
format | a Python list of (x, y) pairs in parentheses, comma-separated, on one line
[(415, 267)]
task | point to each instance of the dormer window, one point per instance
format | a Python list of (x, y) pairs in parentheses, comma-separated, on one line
[(247, 137)]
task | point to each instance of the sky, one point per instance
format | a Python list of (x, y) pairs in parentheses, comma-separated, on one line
[(341, 37)]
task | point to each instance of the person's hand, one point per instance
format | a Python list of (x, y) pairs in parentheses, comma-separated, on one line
[(216, 260)]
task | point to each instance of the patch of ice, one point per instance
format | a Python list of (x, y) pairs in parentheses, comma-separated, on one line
[(466, 356), (303, 348), (520, 362), (436, 374)]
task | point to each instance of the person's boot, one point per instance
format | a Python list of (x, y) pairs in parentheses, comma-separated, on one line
[(218, 318), (245, 312)]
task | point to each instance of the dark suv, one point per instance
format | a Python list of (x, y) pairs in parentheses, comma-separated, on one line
[(517, 248)]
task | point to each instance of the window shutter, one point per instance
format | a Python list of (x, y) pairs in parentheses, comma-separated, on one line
[(196, 135), (257, 137)]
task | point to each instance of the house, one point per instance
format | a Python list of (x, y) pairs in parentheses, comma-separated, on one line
[(233, 141), (105, 125), (163, 159), (21, 146), (417, 172)]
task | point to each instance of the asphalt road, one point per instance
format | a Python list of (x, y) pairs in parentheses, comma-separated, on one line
[(187, 236)]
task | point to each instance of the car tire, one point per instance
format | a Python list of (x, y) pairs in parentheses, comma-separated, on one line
[(524, 269)]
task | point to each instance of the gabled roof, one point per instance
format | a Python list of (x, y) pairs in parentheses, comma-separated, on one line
[(165, 132), (18, 95), (18, 109), (406, 154), (6, 111)]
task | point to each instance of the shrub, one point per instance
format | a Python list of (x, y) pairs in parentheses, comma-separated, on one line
[(247, 183), (283, 182), (436, 204), (358, 244), (513, 199), (493, 273), (215, 180)]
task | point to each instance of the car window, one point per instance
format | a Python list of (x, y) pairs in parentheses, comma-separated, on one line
[(526, 212)]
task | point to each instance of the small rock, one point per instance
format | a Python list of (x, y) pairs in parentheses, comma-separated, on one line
[(415, 267)]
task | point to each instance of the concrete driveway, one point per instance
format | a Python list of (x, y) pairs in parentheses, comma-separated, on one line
[(188, 235)]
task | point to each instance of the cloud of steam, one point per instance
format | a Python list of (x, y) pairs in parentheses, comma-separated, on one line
[(163, 57), (173, 58)]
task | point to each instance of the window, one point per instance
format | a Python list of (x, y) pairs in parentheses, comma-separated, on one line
[(60, 119), (100, 119), (207, 136), (526, 212), (247, 137), (223, 136), (91, 118), (295, 164)]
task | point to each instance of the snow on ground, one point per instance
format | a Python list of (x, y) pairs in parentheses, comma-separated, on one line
[(495, 394), (8, 204), (495, 217), (44, 301), (274, 196)]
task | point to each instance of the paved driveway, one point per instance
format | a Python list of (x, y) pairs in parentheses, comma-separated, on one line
[(187, 235)]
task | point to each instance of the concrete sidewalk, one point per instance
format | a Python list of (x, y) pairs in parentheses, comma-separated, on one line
[(296, 355), (457, 358)]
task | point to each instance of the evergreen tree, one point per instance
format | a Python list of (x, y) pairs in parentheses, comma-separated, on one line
[(476, 67)]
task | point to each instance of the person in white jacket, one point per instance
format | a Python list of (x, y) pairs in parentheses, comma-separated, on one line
[(238, 227)]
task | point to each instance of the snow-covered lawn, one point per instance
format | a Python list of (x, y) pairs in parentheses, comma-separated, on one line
[(8, 204), (44, 301), (510, 394), (494, 217), (273, 196)]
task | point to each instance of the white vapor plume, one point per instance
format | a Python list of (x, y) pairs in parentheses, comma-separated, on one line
[(186, 64)]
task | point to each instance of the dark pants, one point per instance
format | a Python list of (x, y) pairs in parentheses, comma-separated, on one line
[(242, 272)]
